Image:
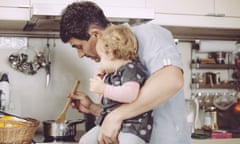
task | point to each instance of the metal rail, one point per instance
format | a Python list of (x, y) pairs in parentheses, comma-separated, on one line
[(30, 34)]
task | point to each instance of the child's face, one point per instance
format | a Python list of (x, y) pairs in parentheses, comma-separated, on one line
[(106, 60)]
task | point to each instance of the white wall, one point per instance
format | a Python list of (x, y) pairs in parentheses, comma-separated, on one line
[(185, 52), (31, 98)]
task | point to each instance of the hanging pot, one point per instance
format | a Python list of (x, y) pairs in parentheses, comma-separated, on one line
[(65, 130)]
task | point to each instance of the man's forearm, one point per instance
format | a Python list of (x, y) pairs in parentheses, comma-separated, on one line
[(159, 87), (95, 109)]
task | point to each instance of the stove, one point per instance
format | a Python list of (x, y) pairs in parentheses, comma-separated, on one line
[(40, 139), (59, 139)]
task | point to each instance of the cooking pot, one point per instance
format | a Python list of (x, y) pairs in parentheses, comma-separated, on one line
[(65, 130)]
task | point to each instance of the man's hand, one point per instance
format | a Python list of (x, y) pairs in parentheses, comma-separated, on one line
[(83, 103), (110, 129)]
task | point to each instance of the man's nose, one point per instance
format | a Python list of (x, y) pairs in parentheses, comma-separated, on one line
[(80, 53)]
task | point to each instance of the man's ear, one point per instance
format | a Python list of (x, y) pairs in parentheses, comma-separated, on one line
[(94, 32)]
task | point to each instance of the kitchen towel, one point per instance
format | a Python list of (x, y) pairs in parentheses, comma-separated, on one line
[(217, 46)]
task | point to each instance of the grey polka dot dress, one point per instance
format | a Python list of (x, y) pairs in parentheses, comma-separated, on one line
[(140, 125)]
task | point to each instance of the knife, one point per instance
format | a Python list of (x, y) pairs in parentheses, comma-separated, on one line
[(48, 74), (48, 65)]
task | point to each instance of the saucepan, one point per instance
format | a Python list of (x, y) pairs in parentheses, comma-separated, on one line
[(67, 129)]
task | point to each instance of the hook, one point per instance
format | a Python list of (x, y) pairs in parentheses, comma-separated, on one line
[(54, 42), (48, 42)]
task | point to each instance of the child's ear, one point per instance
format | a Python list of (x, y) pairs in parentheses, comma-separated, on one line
[(110, 55)]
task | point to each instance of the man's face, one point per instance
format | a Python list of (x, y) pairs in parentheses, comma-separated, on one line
[(86, 48)]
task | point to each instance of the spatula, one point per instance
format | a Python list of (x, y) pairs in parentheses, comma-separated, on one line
[(62, 116)]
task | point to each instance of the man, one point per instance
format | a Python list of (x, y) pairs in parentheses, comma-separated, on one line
[(81, 25)]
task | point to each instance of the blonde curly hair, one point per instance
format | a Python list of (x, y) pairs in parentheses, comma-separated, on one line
[(120, 41)]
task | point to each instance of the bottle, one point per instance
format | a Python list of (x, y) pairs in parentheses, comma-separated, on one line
[(4, 87), (207, 121)]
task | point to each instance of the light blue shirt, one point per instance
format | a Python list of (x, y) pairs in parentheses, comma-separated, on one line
[(156, 48)]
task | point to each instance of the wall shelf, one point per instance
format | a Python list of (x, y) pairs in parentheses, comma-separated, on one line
[(213, 66), (227, 85)]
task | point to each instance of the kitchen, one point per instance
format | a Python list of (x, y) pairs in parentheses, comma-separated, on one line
[(65, 70)]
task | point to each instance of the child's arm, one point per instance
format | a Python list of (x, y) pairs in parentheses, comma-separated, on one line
[(125, 93)]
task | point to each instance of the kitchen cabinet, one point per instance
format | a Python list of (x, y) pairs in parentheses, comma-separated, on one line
[(14, 13), (51, 1), (222, 14), (14, 3), (218, 8), (104, 3), (122, 3), (189, 7), (227, 8), (14, 10)]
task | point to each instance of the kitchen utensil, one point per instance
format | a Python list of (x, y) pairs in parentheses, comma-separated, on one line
[(65, 131), (24, 60), (200, 98), (48, 63), (28, 60), (224, 101), (62, 115), (208, 102)]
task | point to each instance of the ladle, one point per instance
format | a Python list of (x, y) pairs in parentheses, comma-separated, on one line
[(61, 117)]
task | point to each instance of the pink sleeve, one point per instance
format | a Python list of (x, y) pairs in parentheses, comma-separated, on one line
[(125, 93)]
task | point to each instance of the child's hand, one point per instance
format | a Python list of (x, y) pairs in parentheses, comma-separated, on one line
[(100, 73), (97, 85)]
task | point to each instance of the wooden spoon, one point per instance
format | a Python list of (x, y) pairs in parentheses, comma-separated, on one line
[(61, 117)]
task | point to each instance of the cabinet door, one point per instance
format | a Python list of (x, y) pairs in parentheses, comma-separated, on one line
[(14, 3), (228, 8), (14, 13), (15, 9), (52, 1), (122, 3), (190, 7)]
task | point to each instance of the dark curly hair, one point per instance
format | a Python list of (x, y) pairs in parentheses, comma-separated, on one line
[(78, 17)]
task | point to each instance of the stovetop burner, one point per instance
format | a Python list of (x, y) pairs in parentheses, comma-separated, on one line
[(54, 140), (60, 139)]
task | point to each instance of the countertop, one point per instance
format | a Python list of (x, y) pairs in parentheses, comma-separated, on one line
[(39, 140), (59, 143), (217, 141), (194, 141)]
